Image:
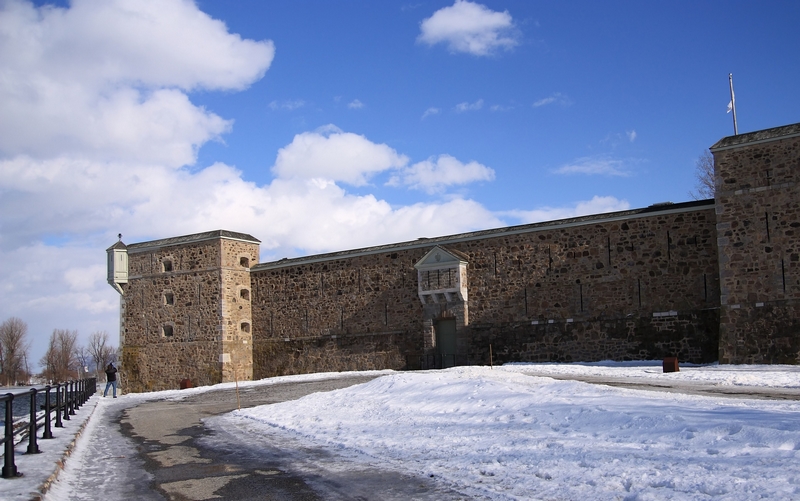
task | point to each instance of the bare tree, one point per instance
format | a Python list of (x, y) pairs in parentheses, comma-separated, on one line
[(82, 358), (14, 348), (100, 350), (60, 360), (704, 172)]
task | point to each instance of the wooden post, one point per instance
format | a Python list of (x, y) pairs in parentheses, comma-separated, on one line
[(491, 364), (236, 379)]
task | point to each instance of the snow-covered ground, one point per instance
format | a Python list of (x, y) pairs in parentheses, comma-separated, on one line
[(502, 434), (37, 468), (771, 376)]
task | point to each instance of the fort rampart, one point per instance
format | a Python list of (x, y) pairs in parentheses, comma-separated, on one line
[(702, 281)]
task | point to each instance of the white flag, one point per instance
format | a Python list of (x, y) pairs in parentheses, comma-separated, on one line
[(730, 107)]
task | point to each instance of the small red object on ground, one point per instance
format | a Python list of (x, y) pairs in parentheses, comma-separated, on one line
[(187, 383), (671, 364)]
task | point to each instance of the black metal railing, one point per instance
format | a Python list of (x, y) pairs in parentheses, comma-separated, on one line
[(69, 397)]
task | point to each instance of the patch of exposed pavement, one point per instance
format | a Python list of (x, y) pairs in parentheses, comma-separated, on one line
[(185, 457)]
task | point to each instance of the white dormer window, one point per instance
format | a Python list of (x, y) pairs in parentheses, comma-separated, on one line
[(442, 276)]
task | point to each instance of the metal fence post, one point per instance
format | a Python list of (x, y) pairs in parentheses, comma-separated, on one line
[(77, 395), (59, 424), (47, 432), (9, 468), (71, 398), (33, 446), (66, 401)]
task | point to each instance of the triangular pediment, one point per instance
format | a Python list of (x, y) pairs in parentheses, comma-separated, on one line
[(439, 257)]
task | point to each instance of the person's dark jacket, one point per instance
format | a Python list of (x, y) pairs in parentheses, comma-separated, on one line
[(111, 373)]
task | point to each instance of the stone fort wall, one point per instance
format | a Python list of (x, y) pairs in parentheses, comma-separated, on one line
[(704, 281), (633, 285)]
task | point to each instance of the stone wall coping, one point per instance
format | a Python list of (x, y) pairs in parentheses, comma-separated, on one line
[(186, 239), (759, 136), (426, 243)]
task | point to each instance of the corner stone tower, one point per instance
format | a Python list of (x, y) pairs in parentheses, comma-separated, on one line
[(758, 225), (185, 309)]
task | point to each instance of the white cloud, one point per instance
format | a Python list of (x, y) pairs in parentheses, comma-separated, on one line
[(462, 107), (555, 98), (429, 112), (337, 156), (86, 81), (597, 205), (434, 175), (595, 166), (96, 131), (355, 104), (51, 287), (631, 135), (500, 107), (289, 104), (153, 43), (470, 27)]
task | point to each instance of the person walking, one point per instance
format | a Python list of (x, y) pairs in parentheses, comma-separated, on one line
[(111, 379)]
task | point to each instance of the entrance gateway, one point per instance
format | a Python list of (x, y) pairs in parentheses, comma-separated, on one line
[(446, 342), (442, 289)]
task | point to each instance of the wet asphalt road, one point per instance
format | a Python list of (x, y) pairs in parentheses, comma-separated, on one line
[(191, 457)]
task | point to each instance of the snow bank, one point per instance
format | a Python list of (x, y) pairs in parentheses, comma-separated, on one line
[(505, 435)]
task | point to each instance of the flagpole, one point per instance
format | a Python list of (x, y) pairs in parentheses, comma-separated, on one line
[(733, 105)]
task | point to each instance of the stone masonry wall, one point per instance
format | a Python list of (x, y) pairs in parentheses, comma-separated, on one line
[(348, 314), (643, 287), (758, 224), (237, 327), (152, 359)]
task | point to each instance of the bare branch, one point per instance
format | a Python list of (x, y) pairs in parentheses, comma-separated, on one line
[(101, 352), (60, 360), (704, 172)]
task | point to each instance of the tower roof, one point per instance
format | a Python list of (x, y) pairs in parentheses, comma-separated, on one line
[(759, 136), (195, 237)]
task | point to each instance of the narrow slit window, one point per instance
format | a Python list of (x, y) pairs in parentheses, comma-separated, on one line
[(167, 264), (169, 298), (245, 327), (244, 262), (167, 331), (244, 294)]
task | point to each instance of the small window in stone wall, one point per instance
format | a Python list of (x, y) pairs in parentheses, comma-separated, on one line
[(245, 327), (244, 294), (244, 262), (167, 331), (167, 264), (169, 298)]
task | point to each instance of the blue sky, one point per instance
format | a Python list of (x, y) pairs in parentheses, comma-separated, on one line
[(319, 126)]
